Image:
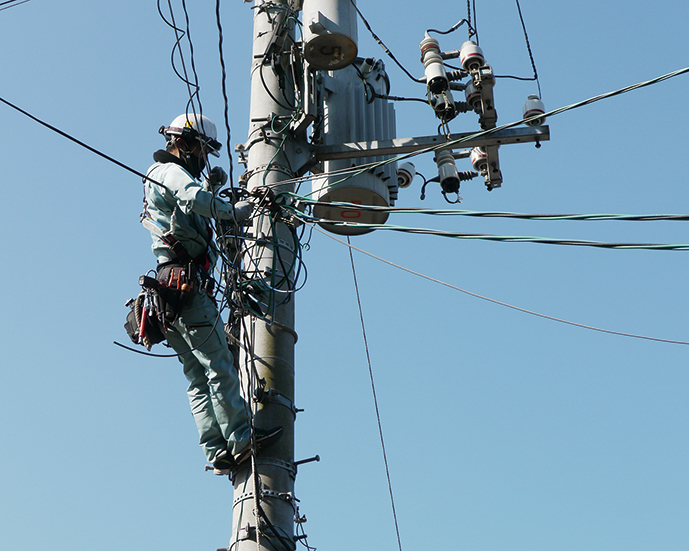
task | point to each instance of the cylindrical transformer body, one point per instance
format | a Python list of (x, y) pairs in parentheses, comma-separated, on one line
[(330, 34), (352, 114)]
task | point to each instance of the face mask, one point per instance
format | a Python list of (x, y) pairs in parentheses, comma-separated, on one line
[(195, 165)]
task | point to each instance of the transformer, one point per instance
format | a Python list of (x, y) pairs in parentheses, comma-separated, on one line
[(330, 34), (352, 112)]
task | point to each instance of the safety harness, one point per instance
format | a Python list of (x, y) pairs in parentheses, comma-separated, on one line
[(163, 296)]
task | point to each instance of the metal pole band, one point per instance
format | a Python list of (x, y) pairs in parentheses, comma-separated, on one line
[(271, 462), (270, 494)]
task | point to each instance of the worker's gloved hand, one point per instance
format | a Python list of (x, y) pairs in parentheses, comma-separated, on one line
[(242, 210), (216, 179)]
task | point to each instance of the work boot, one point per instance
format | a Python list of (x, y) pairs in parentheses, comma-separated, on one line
[(264, 438), (224, 463)]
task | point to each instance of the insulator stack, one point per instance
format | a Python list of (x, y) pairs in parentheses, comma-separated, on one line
[(466, 175), (456, 75)]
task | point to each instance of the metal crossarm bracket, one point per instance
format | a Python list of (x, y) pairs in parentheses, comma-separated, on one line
[(401, 146)]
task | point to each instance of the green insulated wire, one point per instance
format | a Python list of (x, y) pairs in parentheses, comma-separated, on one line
[(506, 238), (497, 214)]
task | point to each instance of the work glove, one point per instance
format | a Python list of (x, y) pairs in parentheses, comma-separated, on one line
[(242, 210), (216, 179)]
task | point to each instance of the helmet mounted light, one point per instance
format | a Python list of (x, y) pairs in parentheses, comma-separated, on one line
[(193, 127)]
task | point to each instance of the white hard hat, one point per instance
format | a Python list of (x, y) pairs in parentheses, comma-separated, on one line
[(193, 125)]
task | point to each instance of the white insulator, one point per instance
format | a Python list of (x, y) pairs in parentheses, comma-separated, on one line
[(532, 108), (479, 160), (473, 97), (367, 66), (471, 56), (436, 77), (405, 174)]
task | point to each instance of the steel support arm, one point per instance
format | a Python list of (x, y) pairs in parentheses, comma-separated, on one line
[(402, 146)]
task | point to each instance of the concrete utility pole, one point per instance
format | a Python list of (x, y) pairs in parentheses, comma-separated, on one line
[(268, 152), (336, 89)]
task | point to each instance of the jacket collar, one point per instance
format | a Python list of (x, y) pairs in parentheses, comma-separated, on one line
[(162, 156)]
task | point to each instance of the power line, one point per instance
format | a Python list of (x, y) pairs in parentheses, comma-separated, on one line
[(498, 214), (78, 142), (179, 35), (382, 45), (528, 47), (500, 303), (375, 397), (223, 81), (504, 238), (13, 2), (355, 171), (363, 168)]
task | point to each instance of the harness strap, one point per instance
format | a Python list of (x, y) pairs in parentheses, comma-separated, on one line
[(178, 250)]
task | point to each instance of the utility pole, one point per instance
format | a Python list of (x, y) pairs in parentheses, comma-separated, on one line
[(323, 80), (267, 154)]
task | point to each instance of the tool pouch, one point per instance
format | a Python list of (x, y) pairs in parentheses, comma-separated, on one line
[(151, 333), (175, 283)]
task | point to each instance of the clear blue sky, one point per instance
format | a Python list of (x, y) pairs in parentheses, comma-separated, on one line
[(503, 431)]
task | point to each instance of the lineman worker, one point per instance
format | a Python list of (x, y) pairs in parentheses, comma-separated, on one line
[(178, 215)]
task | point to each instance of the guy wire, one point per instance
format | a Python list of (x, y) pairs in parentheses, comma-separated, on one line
[(373, 389)]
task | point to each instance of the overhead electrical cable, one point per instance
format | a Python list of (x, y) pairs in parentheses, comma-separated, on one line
[(231, 257), (79, 142), (483, 133), (507, 238), (13, 2), (474, 26), (197, 88), (528, 47), (570, 107), (375, 397), (359, 169), (498, 214), (500, 303), (179, 35), (382, 45), (226, 104)]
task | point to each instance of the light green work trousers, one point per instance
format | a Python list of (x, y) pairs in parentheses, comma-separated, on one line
[(219, 411)]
